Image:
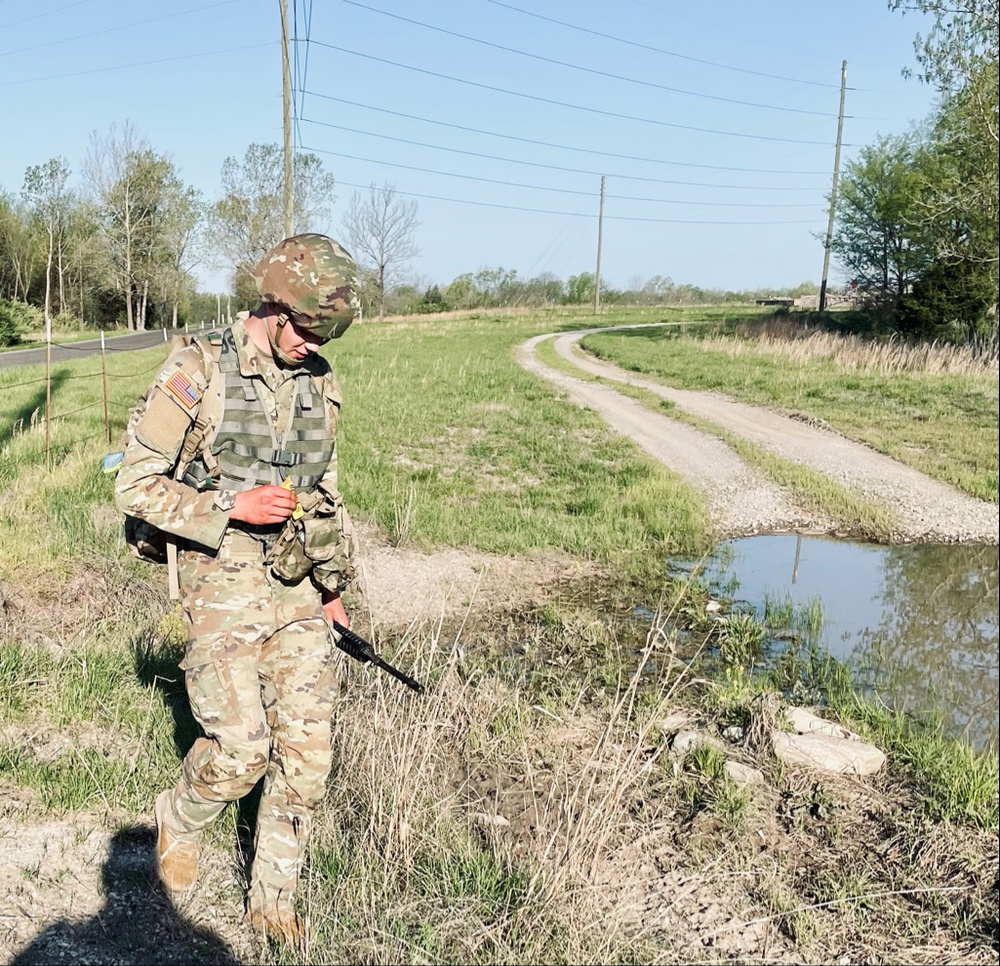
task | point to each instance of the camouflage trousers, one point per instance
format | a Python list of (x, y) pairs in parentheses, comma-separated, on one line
[(260, 673)]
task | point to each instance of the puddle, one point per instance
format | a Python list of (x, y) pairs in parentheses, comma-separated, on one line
[(916, 622)]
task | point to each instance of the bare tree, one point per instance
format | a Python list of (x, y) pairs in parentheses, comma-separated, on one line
[(125, 178), (247, 220), (379, 230), (49, 202)]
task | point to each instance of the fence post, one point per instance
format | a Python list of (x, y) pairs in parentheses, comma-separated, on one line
[(48, 392), (104, 385)]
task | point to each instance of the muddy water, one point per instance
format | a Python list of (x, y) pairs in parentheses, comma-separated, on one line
[(917, 623)]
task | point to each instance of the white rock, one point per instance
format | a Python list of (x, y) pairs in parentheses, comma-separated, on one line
[(484, 820), (685, 741), (674, 722), (827, 754), (744, 774), (713, 607), (733, 733), (806, 723)]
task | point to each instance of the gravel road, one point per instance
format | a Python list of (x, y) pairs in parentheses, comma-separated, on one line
[(742, 499)]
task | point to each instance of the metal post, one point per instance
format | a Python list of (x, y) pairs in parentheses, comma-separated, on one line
[(104, 388)]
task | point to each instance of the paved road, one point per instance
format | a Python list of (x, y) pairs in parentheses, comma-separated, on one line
[(76, 350)]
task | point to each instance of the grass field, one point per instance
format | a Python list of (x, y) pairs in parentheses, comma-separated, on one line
[(528, 809)]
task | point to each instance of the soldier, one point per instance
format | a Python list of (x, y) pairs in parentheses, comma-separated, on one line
[(235, 459)]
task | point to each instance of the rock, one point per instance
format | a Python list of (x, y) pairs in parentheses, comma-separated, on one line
[(826, 753), (806, 723), (685, 741), (743, 774), (713, 607), (733, 733), (484, 820), (674, 722)]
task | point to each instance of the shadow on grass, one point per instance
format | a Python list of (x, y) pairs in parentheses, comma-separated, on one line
[(138, 923), (157, 666), (35, 404)]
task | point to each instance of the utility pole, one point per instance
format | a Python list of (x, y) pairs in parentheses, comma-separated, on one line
[(600, 231), (833, 191), (286, 85)]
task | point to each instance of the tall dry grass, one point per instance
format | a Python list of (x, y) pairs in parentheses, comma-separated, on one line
[(468, 825), (803, 343)]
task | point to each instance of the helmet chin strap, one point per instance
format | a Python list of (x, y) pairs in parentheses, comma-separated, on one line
[(279, 354)]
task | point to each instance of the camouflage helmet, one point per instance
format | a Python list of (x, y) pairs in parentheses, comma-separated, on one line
[(312, 276)]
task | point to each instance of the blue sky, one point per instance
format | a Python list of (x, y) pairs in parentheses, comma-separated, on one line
[(716, 134)]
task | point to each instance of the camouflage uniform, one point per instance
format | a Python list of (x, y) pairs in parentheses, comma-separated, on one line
[(259, 666)]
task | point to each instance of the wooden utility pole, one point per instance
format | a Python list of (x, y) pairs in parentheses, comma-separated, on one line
[(833, 191), (600, 231), (286, 84)]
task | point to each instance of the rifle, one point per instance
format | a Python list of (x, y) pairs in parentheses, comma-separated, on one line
[(358, 648)]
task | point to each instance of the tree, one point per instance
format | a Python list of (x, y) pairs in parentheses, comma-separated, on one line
[(380, 229), (127, 181), (961, 208), (580, 288), (877, 238), (49, 202), (247, 221), (181, 213), (18, 250)]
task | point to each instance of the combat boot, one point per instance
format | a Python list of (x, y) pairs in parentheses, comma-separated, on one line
[(282, 924), (176, 852)]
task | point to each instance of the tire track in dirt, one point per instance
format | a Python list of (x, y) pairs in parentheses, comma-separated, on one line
[(741, 499), (926, 510)]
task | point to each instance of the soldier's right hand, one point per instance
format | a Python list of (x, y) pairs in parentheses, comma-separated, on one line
[(263, 505)]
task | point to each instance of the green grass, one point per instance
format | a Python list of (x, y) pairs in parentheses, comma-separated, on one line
[(813, 490), (943, 424), (445, 442)]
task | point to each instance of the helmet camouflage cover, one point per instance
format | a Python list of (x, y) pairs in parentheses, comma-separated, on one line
[(314, 277)]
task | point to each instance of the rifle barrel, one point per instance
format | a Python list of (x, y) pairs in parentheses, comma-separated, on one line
[(361, 650)]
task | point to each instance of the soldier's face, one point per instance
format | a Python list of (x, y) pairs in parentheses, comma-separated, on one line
[(296, 341)]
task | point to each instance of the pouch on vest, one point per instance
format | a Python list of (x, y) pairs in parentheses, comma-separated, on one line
[(302, 544)]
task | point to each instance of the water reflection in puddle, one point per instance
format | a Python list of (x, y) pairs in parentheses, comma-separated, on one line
[(921, 617)]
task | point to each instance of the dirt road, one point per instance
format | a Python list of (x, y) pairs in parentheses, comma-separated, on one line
[(741, 498)]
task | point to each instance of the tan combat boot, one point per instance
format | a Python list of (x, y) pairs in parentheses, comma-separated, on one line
[(281, 923), (176, 853)]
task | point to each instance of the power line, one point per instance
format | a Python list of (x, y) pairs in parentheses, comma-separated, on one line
[(144, 63), (588, 70), (697, 60), (565, 191), (576, 107), (121, 26), (552, 167), (570, 214), (659, 50), (44, 13), (550, 144)]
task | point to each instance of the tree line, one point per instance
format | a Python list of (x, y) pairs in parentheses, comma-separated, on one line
[(119, 247), (917, 215), (917, 226)]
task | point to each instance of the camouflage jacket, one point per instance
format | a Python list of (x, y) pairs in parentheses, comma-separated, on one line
[(145, 486)]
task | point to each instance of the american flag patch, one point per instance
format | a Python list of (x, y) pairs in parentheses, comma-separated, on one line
[(183, 390)]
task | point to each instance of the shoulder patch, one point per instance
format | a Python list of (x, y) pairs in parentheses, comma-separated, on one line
[(180, 386)]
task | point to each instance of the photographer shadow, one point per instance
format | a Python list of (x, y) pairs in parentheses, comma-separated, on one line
[(138, 923)]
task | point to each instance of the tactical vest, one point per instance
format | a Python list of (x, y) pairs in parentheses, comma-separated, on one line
[(245, 445)]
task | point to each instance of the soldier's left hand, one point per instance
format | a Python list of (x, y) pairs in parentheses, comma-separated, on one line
[(333, 607)]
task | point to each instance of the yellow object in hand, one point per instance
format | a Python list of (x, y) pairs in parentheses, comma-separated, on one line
[(298, 512)]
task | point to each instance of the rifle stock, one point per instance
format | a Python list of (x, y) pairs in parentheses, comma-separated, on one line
[(358, 648)]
